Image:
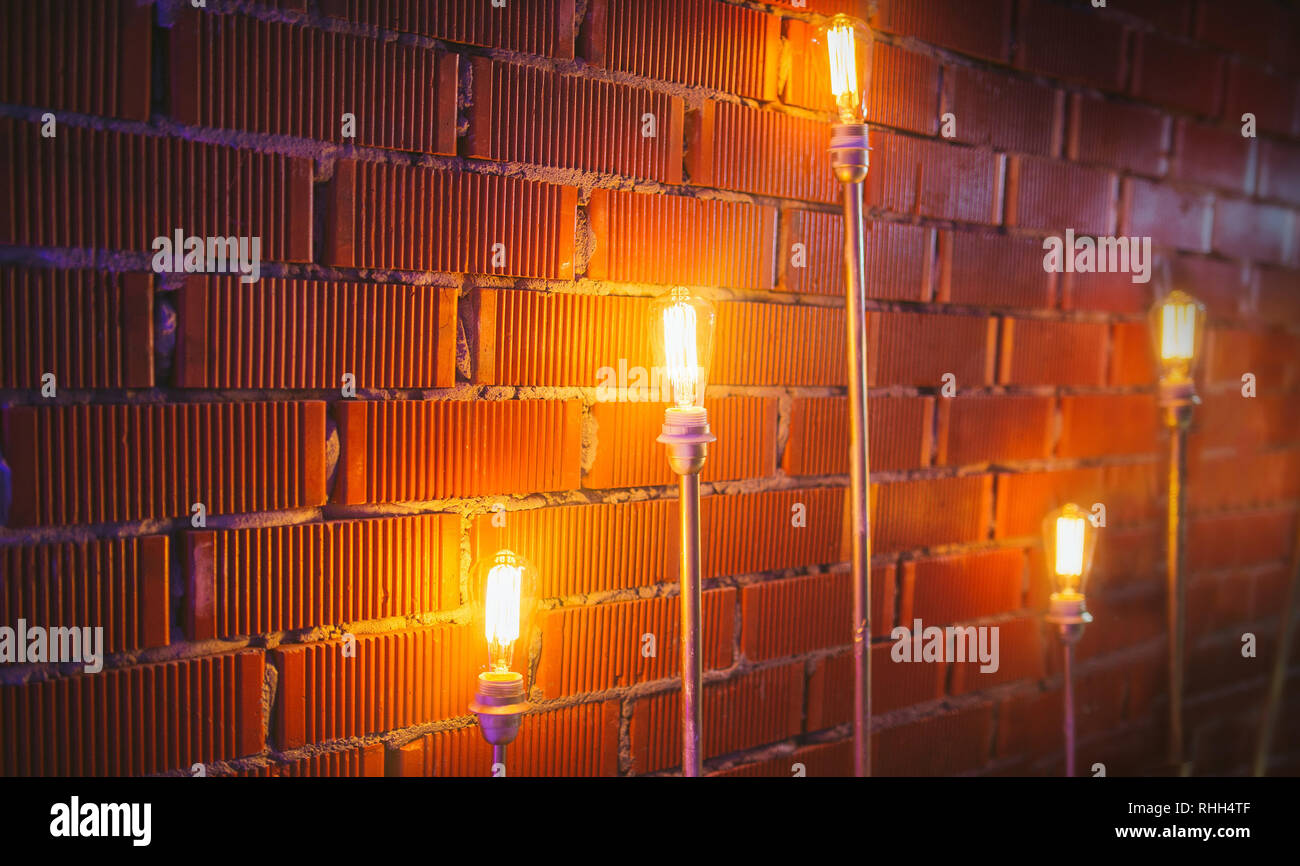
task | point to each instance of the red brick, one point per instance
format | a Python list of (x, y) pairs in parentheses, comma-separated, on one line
[(994, 109), (977, 429), (898, 257), (113, 463), (1031, 722), (1224, 287), (1273, 357), (1019, 654), (962, 587), (894, 685), (826, 760), (944, 745), (1109, 291), (1240, 481), (1253, 27), (1052, 195), (579, 740), (1040, 352), (1177, 74), (1279, 171), (818, 443), (779, 344), (699, 42), (164, 718), (393, 216), (750, 150), (981, 28), (1077, 45), (107, 72), (393, 680), (1132, 357), (121, 585), (1118, 135), (357, 762), (919, 348), (1213, 156), (1229, 420), (1168, 16), (1233, 540), (929, 178), (992, 270), (1279, 302), (1169, 216), (310, 333), (798, 615), (1272, 98), (1244, 229), (758, 533), (751, 710), (544, 27), (715, 243), (1096, 425), (603, 646), (1129, 492), (287, 578), (908, 515), (384, 84), (418, 450), (105, 203), (525, 114), (627, 454), (47, 316)]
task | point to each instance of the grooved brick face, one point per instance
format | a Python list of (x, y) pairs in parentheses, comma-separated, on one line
[(108, 74), (1129, 492), (123, 190), (1279, 174), (964, 587), (1093, 424), (920, 348), (993, 270), (794, 616), (811, 256), (1036, 352), (719, 46), (983, 429), (1177, 74), (920, 177), (979, 28), (1058, 196), (996, 109), (927, 513), (402, 97), (112, 463), (1213, 156), (47, 315), (1118, 135), (1170, 217), (524, 114), (1272, 98), (539, 27), (749, 150), (310, 333), (818, 443), (1078, 45), (940, 745), (1244, 229)]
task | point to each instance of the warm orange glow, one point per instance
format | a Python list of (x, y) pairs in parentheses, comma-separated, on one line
[(680, 355), (1177, 331), (502, 602), (841, 47)]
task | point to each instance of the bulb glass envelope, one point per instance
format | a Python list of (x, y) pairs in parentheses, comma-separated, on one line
[(1068, 542), (1177, 324), (842, 49), (683, 342), (503, 600)]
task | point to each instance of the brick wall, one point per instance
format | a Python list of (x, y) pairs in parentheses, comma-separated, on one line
[(476, 375)]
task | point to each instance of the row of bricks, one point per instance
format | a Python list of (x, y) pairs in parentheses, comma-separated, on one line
[(309, 334), (696, 42), (391, 216), (244, 582), (399, 681), (117, 463)]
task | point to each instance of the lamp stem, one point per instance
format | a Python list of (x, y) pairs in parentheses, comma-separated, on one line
[(849, 153), (692, 664), (1176, 593), (1068, 653), (498, 756), (1277, 683)]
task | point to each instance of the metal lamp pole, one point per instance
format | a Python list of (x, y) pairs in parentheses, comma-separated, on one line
[(1177, 399), (850, 160)]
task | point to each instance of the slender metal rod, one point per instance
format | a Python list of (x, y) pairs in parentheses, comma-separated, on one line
[(1176, 593), (1069, 711), (1277, 683), (498, 757), (859, 472), (692, 663)]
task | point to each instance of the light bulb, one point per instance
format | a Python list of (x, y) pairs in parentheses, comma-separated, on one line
[(503, 598), (1177, 326), (847, 45), (1068, 541), (684, 345)]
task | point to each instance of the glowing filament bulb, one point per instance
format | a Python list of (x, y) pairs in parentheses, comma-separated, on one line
[(1177, 331), (1069, 549), (680, 354), (842, 50), (501, 611)]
